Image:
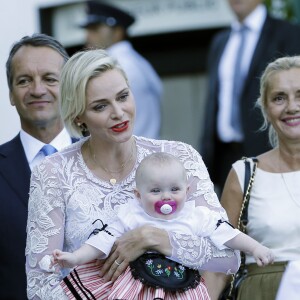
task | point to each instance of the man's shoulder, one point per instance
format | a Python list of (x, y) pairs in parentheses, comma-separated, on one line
[(281, 25), (220, 37), (283, 35), (222, 32), (14, 143)]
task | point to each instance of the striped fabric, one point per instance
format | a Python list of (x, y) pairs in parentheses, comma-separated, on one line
[(84, 283)]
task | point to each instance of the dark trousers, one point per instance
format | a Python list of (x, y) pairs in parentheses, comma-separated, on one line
[(225, 155)]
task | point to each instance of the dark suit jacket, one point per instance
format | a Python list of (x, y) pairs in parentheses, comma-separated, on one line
[(14, 189), (278, 38), (14, 193)]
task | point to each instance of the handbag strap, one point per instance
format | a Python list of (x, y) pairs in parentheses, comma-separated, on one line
[(243, 217), (248, 182)]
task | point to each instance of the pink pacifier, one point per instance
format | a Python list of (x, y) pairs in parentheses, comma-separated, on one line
[(165, 207)]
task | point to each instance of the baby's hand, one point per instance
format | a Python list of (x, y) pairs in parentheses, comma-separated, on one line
[(263, 255), (64, 259)]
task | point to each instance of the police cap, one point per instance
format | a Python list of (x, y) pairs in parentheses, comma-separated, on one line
[(99, 12)]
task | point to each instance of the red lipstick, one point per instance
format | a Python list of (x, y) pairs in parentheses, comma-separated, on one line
[(120, 127)]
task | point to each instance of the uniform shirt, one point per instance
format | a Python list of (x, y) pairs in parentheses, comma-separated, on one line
[(146, 87)]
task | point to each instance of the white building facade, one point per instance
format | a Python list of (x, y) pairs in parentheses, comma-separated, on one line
[(157, 21)]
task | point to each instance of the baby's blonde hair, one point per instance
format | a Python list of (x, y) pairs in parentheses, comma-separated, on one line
[(157, 159)]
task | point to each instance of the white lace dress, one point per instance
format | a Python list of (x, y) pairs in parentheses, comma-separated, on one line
[(66, 198)]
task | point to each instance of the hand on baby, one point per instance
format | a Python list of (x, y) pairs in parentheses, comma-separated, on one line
[(263, 256), (64, 259)]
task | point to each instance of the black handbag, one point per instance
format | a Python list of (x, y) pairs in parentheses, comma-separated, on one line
[(155, 270), (231, 291)]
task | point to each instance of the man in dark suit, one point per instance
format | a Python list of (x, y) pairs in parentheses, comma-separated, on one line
[(226, 139), (33, 71)]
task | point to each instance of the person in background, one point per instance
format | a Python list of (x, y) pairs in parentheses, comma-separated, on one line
[(76, 191), (274, 205), (33, 71), (237, 58), (161, 189), (107, 27), (289, 287)]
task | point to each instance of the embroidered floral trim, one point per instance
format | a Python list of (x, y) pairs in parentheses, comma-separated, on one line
[(159, 269), (155, 270)]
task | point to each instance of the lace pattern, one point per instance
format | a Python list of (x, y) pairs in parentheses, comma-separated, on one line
[(66, 198), (201, 254)]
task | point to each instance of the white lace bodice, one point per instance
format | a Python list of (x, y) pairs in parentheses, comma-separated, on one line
[(66, 198)]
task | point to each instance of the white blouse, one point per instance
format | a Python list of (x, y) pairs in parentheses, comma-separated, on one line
[(66, 198), (274, 211)]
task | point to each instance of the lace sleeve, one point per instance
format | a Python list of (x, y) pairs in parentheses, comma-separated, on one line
[(201, 254), (194, 251), (45, 232)]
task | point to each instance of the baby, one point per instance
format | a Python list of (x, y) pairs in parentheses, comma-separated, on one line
[(161, 190)]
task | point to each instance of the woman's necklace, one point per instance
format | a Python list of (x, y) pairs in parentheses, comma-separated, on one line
[(288, 190), (283, 177), (112, 179)]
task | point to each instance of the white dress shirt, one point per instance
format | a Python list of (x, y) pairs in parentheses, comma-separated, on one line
[(254, 23), (32, 146)]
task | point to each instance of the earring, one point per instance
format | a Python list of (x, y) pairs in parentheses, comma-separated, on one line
[(83, 128)]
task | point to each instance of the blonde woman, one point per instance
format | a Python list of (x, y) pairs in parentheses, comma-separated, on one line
[(74, 189), (274, 207)]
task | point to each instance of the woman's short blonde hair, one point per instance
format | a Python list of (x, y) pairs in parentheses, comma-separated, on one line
[(280, 64), (76, 73)]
